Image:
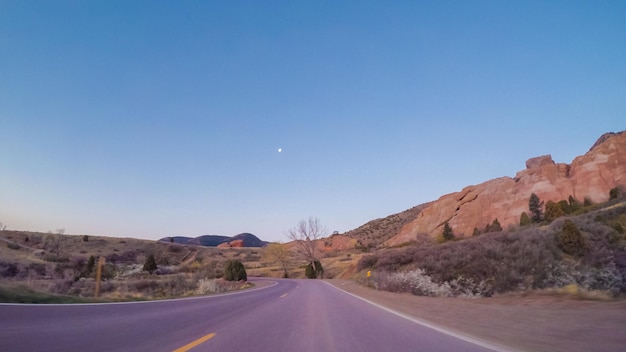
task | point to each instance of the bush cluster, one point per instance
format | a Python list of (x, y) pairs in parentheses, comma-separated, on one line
[(314, 271), (235, 271), (570, 240), (531, 258)]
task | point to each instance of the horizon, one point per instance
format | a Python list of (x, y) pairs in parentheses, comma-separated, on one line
[(155, 119)]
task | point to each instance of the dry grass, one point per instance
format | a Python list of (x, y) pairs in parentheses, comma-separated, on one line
[(57, 265)]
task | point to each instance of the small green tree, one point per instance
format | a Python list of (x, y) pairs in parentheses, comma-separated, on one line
[(524, 220), (314, 271), (574, 205), (150, 264), (570, 240), (235, 271), (553, 211), (493, 227), (565, 207), (535, 206), (85, 238), (476, 232), (447, 233), (587, 202)]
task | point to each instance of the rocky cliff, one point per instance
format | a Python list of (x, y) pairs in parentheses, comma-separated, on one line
[(591, 175)]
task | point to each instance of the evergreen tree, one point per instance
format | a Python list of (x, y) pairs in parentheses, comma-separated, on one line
[(535, 207), (574, 205), (565, 207), (524, 220), (235, 271), (150, 264), (495, 226), (447, 234)]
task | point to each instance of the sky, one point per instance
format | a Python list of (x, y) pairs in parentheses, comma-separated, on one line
[(149, 119)]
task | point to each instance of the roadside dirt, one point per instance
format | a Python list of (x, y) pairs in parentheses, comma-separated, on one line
[(530, 323)]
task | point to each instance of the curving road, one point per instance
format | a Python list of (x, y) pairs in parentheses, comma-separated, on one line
[(290, 315)]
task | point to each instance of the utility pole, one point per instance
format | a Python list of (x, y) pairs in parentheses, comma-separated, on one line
[(98, 276)]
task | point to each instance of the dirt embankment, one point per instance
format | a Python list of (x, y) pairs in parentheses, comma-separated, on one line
[(532, 323)]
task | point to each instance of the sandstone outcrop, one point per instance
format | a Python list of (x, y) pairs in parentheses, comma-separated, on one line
[(231, 244), (591, 175)]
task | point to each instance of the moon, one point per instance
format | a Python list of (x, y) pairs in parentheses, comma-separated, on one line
[(280, 150)]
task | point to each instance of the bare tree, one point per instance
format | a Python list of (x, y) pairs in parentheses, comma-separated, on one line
[(304, 236), (278, 253)]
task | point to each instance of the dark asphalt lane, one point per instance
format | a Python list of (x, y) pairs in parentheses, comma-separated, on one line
[(292, 315)]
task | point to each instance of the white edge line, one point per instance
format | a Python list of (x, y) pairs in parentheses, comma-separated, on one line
[(139, 302), (460, 336)]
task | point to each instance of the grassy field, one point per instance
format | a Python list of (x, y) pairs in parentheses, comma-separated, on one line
[(48, 267)]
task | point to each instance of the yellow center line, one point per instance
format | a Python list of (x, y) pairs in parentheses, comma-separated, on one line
[(191, 345), (285, 295)]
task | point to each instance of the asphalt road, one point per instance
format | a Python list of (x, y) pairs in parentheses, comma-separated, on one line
[(291, 315)]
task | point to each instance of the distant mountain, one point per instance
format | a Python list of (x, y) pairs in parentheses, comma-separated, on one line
[(241, 240)]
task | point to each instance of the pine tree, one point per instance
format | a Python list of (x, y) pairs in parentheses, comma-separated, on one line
[(535, 207), (447, 234)]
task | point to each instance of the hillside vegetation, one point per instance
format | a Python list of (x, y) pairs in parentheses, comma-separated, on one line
[(584, 251), (33, 264)]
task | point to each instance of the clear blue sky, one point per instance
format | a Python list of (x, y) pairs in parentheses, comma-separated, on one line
[(150, 118)]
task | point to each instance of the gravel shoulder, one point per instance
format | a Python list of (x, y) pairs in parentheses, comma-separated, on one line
[(531, 323)]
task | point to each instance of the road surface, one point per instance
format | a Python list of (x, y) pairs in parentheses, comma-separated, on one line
[(289, 315)]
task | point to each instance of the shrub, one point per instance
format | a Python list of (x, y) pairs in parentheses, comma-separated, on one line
[(553, 211), (524, 220), (366, 261), (150, 264), (565, 207), (13, 246), (614, 193), (570, 239), (8, 269), (207, 286), (574, 205), (235, 271), (314, 270)]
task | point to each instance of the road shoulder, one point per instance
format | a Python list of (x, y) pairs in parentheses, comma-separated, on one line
[(525, 323)]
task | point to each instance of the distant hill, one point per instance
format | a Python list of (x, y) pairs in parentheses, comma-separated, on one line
[(241, 240)]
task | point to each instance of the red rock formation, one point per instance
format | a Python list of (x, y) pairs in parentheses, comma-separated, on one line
[(589, 176), (231, 244)]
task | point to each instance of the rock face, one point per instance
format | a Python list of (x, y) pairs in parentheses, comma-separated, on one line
[(231, 244), (591, 176)]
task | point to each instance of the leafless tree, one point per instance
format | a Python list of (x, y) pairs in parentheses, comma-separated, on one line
[(278, 253), (304, 236)]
